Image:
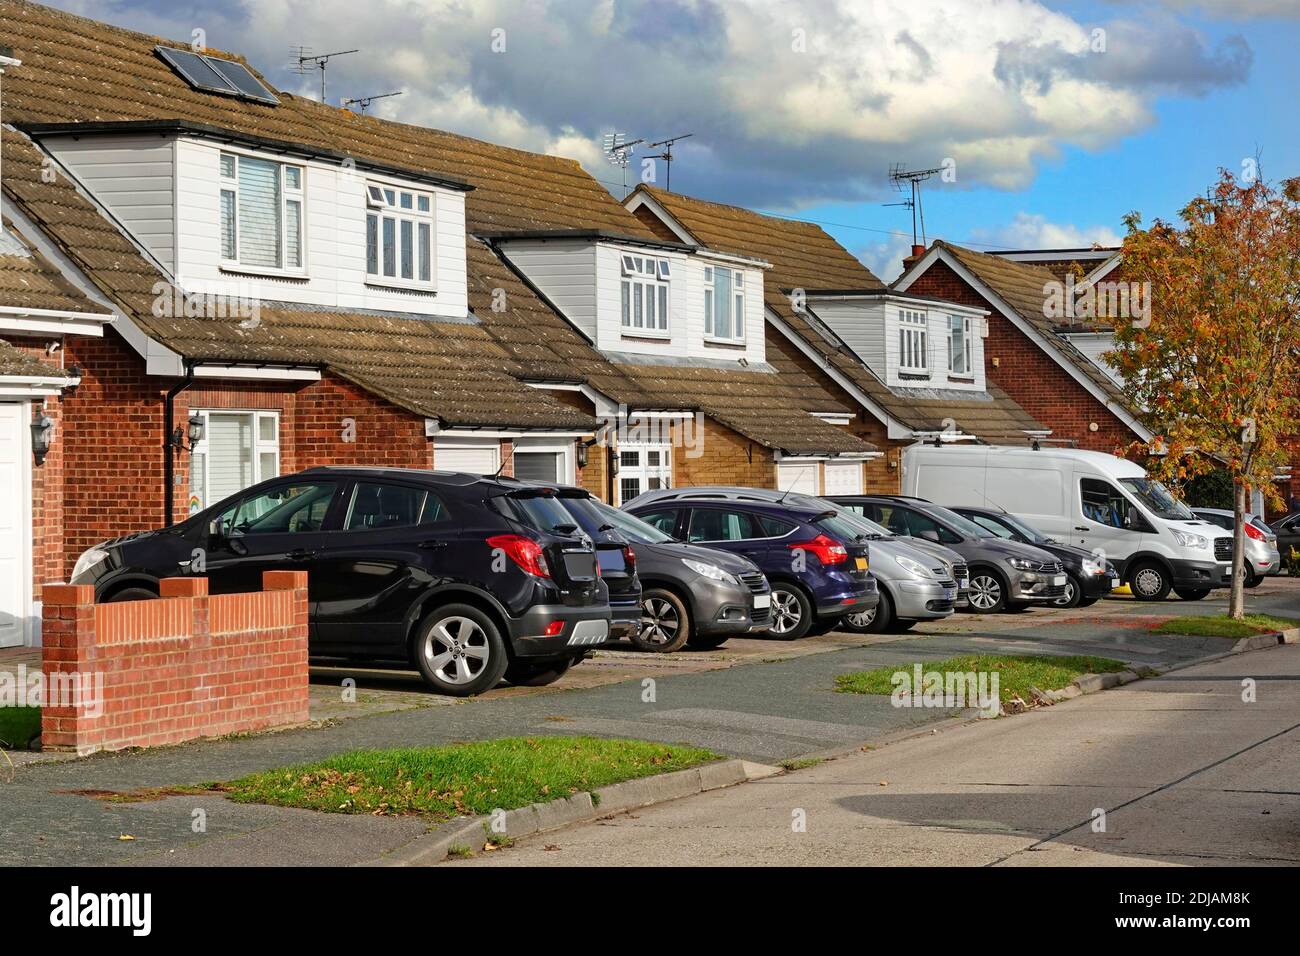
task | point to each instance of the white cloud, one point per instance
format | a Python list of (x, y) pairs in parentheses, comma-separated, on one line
[(885, 258), (1030, 231)]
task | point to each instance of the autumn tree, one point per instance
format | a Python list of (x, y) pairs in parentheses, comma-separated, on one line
[(1212, 362)]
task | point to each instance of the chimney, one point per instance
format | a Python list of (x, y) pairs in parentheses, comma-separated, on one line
[(917, 252)]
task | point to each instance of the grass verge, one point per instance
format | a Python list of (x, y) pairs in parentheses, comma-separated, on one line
[(18, 725), (468, 778), (1016, 674), (1215, 625)]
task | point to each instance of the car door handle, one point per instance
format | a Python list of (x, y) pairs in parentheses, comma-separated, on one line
[(432, 545), (300, 554), (1084, 528)]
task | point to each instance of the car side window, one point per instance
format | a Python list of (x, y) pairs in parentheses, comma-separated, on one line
[(718, 524), (1101, 502), (923, 526), (284, 509), (375, 504), (990, 524), (665, 521), (770, 527)]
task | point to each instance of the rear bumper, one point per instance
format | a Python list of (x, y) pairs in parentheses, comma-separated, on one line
[(624, 620), (863, 598), (1201, 574), (582, 629), (925, 600)]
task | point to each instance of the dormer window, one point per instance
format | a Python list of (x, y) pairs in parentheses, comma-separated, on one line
[(913, 342), (959, 346), (644, 295), (261, 213), (724, 304), (399, 236)]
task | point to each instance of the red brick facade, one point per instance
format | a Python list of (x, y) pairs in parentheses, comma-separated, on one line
[(184, 666), (1018, 366)]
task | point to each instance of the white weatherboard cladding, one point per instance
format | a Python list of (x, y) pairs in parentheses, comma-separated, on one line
[(1095, 345), (133, 177)]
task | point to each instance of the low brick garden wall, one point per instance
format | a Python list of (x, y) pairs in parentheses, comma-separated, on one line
[(186, 665)]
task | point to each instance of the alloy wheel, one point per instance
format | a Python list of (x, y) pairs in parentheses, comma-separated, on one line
[(457, 650), (862, 618), (985, 592), (1148, 581), (660, 622), (786, 613), (1066, 599)]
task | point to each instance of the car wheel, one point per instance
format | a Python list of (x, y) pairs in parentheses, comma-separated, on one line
[(525, 674), (130, 594), (988, 591), (873, 621), (1149, 582), (1191, 594), (459, 651), (792, 613), (1073, 593), (707, 642), (1253, 579), (665, 622)]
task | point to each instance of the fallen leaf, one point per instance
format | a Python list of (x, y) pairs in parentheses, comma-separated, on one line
[(126, 836)]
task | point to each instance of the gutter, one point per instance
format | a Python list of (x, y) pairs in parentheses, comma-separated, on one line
[(169, 457)]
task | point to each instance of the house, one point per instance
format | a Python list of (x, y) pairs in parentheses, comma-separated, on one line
[(1037, 352), (910, 367)]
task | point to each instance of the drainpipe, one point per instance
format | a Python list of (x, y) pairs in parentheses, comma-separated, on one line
[(169, 459)]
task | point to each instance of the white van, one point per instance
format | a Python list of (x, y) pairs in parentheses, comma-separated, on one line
[(1084, 498)]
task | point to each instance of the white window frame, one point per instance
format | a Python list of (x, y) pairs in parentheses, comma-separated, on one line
[(260, 447), (913, 342), (387, 205), (967, 351), (737, 305), (229, 185), (645, 281), (644, 471)]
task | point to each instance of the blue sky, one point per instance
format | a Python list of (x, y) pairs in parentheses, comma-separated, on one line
[(799, 107)]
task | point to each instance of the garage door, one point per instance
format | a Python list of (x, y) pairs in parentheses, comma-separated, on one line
[(13, 513), (844, 478), (477, 458), (798, 476)]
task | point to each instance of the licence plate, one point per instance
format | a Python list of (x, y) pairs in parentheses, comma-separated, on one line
[(860, 563), (950, 594), (1059, 579), (762, 601)]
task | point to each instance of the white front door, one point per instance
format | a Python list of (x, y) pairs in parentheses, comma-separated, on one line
[(15, 517), (798, 476), (643, 467), (843, 477)]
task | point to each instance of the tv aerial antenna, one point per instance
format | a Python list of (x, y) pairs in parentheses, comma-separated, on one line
[(667, 155), (303, 61), (618, 151), (363, 102), (898, 175)]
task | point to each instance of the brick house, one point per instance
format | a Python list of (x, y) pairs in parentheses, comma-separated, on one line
[(266, 284), (910, 367), (1037, 360)]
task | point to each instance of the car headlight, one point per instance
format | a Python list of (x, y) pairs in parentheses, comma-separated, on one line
[(710, 571), (1022, 564), (915, 568), (88, 560), (1094, 566), (1187, 540)]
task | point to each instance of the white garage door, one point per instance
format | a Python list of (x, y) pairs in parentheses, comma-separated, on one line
[(798, 476), (844, 478), (477, 458), (14, 492)]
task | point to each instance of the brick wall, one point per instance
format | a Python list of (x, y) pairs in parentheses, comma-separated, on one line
[(726, 458), (173, 669), (1025, 372)]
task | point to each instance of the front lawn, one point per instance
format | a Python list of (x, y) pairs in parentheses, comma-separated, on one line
[(18, 725), (1016, 674), (1214, 625), (468, 778)]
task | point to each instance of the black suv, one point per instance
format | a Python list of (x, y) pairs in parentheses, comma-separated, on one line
[(467, 578)]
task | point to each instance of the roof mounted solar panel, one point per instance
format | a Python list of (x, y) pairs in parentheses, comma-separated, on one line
[(215, 75)]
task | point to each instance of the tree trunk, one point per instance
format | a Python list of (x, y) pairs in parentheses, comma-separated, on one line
[(1237, 595)]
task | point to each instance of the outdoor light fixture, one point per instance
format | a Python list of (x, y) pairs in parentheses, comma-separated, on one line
[(194, 433), (583, 448), (42, 437)]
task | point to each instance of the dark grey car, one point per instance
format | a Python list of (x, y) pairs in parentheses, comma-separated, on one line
[(691, 595)]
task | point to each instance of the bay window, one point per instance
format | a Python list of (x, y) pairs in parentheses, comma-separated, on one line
[(724, 304), (238, 449), (913, 344), (261, 213), (959, 345), (644, 294), (399, 236)]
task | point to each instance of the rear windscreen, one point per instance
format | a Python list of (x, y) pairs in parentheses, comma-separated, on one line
[(545, 513)]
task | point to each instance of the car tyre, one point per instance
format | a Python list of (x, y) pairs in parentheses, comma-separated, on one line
[(792, 612), (873, 621), (988, 591), (901, 625), (665, 622), (1149, 582), (131, 594), (1191, 594), (459, 651), (1073, 593), (522, 673), (1253, 578), (707, 642)]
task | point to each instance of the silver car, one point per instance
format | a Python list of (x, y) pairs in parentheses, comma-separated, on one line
[(1263, 557), (920, 580)]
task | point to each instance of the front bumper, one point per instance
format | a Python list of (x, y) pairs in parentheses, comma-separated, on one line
[(723, 608), (1099, 585), (926, 600), (1035, 586), (1201, 574), (583, 628)]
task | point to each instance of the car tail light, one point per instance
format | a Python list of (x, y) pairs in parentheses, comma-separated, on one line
[(629, 556), (554, 629), (523, 551), (1253, 532), (828, 550)]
